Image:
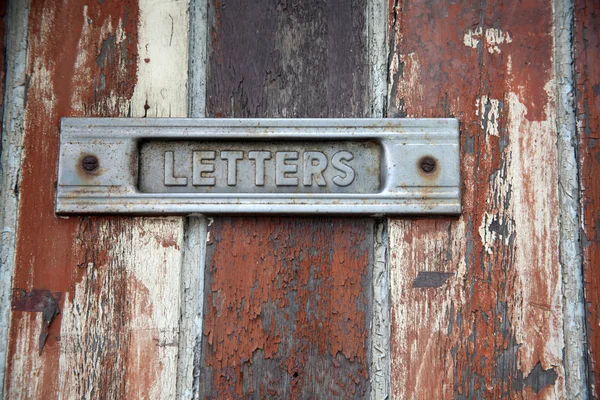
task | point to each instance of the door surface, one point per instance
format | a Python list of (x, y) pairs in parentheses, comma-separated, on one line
[(486, 305)]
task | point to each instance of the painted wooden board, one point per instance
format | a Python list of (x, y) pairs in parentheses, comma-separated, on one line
[(477, 300), (95, 300), (287, 308), (287, 301), (587, 74)]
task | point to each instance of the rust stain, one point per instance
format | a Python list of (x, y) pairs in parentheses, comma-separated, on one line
[(70, 45), (290, 298), (587, 70)]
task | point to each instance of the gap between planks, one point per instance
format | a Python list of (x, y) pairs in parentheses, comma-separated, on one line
[(576, 386), (12, 144), (195, 227), (378, 52)]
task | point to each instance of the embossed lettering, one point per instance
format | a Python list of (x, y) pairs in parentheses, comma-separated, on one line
[(282, 168), (315, 163), (200, 169), (232, 157), (337, 161), (259, 157), (170, 179)]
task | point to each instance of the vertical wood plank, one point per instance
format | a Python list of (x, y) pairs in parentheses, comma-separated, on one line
[(587, 72), (15, 34), (118, 279), (192, 268), (574, 321), (286, 310), (477, 301), (287, 301)]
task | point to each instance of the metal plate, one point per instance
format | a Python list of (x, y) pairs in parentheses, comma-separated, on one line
[(291, 166)]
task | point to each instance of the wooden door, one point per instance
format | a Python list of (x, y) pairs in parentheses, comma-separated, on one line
[(487, 305)]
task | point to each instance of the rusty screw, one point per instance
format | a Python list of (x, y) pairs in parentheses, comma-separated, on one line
[(428, 164), (89, 163)]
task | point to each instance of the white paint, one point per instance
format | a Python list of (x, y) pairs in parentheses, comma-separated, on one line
[(410, 85), (197, 58), (26, 358), (568, 190), (532, 161), (149, 251), (488, 111), (487, 235), (380, 373), (12, 142), (492, 38), (192, 300), (145, 257), (378, 50), (378, 53), (193, 262), (473, 37), (422, 316), (518, 217), (163, 60)]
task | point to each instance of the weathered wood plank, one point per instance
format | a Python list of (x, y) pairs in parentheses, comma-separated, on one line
[(286, 313), (287, 301), (116, 335), (587, 71), (494, 329), (574, 321), (12, 113)]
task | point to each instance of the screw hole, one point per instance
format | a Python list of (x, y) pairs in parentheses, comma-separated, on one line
[(428, 164), (89, 163)]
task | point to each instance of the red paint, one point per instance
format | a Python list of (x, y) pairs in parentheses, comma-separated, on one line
[(58, 86), (439, 76), (292, 295)]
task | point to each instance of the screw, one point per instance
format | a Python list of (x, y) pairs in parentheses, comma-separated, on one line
[(428, 164), (89, 163)]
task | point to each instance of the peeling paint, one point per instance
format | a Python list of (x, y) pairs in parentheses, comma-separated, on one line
[(585, 41), (488, 111), (502, 313), (118, 330), (287, 307), (492, 38)]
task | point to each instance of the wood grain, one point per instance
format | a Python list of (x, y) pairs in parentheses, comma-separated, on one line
[(287, 307), (587, 74), (116, 335), (296, 291), (494, 328)]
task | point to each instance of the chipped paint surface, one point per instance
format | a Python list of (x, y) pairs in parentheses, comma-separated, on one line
[(287, 301), (488, 111), (491, 39), (12, 140), (120, 277), (124, 310), (285, 313), (587, 80), (494, 329)]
